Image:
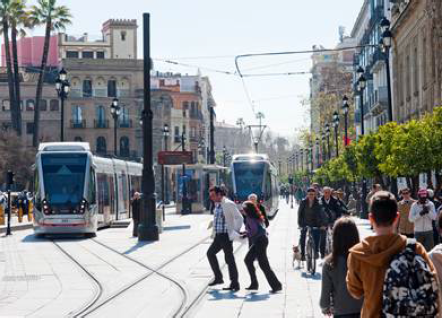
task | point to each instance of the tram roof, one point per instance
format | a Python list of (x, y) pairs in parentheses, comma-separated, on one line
[(249, 157), (64, 146)]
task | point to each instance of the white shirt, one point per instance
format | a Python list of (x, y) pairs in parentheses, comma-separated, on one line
[(422, 223)]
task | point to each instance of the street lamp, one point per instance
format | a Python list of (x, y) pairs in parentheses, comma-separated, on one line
[(345, 108), (186, 206), (302, 159), (311, 160), (163, 171), (361, 84), (324, 140), (224, 156), (327, 134), (336, 126), (62, 86), (386, 43), (115, 111)]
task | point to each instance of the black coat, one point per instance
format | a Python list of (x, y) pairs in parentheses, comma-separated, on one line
[(314, 218), (136, 206), (332, 209)]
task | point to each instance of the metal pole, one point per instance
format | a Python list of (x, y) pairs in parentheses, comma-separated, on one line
[(328, 148), (62, 113), (346, 127), (364, 181), (8, 229), (163, 183), (148, 229), (212, 137), (337, 141), (115, 136), (184, 201)]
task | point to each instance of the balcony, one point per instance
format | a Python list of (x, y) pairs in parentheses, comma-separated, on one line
[(125, 124), (78, 124), (76, 92), (101, 124), (380, 100), (100, 92), (123, 93)]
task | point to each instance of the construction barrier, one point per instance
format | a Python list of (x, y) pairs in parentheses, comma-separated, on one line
[(2, 215), (20, 212), (30, 211)]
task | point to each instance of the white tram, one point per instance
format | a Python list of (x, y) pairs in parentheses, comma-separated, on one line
[(77, 192), (254, 173)]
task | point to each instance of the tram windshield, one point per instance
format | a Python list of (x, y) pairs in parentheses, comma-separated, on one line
[(248, 178), (63, 177)]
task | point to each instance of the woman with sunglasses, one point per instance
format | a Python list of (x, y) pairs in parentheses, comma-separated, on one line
[(257, 234)]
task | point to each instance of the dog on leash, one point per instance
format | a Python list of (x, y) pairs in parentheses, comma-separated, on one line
[(297, 257)]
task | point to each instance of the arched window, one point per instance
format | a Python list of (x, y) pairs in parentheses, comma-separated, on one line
[(124, 117), (101, 146), (124, 147), (77, 117), (54, 105), (87, 88)]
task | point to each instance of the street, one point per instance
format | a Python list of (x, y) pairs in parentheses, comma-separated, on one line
[(114, 275)]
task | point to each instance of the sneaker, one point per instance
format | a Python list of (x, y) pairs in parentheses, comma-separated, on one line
[(216, 282), (232, 287), (276, 290)]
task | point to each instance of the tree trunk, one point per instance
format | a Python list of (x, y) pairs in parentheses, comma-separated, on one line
[(16, 73), (438, 181), (13, 105), (430, 184), (40, 83), (409, 183), (415, 187)]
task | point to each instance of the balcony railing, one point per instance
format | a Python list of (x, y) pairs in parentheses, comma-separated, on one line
[(381, 96), (100, 92), (76, 92), (123, 93), (78, 124), (99, 124), (126, 124)]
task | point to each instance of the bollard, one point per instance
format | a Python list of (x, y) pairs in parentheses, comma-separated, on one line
[(20, 212), (31, 209), (2, 215)]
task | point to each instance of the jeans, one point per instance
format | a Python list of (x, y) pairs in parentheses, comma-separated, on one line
[(323, 242), (426, 239), (316, 233), (258, 250), (222, 242)]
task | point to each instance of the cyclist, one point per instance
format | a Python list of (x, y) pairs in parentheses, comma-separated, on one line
[(333, 211), (311, 214)]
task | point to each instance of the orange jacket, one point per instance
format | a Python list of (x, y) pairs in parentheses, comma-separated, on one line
[(367, 264)]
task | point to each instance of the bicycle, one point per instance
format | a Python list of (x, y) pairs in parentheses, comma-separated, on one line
[(310, 250)]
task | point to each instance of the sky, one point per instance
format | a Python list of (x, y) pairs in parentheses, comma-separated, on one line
[(209, 34)]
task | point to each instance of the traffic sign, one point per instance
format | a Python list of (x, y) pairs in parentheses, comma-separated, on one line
[(175, 157)]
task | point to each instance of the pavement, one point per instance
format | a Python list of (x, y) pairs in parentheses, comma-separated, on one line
[(168, 278)]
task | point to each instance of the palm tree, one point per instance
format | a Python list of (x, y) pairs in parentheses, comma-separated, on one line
[(5, 16), (18, 18), (55, 18)]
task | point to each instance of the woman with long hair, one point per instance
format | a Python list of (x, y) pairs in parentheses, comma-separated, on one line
[(335, 298), (257, 234)]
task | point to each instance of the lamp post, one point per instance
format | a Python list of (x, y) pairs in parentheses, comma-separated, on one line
[(345, 108), (311, 160), (302, 159), (336, 126), (318, 150), (224, 156), (147, 229), (186, 207), (115, 111), (361, 84), (62, 86), (327, 134), (163, 171), (323, 145), (385, 43)]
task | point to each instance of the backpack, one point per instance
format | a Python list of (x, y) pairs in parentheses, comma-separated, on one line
[(410, 288)]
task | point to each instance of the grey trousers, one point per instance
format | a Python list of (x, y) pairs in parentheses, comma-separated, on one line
[(426, 239)]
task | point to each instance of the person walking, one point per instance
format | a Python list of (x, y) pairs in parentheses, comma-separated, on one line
[(331, 207), (254, 199), (311, 214), (369, 260), (405, 227), (257, 235), (335, 298), (422, 214), (227, 224), (136, 205), (437, 205)]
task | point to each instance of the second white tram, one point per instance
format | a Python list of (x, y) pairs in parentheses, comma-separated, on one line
[(77, 192), (254, 173)]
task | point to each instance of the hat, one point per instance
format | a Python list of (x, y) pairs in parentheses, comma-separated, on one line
[(422, 193)]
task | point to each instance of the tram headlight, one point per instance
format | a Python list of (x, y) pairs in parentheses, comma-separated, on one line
[(46, 208), (83, 206)]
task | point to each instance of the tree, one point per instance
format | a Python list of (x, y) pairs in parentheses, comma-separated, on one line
[(55, 18), (368, 164), (5, 14)]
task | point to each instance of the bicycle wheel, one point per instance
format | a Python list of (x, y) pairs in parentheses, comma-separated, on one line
[(309, 254)]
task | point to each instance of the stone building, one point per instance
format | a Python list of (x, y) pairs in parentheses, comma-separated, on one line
[(416, 28)]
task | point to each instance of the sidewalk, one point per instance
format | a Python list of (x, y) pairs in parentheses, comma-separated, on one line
[(15, 225)]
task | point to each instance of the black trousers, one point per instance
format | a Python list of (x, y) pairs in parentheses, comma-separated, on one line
[(258, 250), (316, 233), (135, 229), (323, 242), (222, 242)]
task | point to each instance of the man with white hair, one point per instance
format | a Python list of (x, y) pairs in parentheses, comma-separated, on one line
[(254, 198)]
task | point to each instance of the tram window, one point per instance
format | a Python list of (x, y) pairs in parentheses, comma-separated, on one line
[(92, 190), (37, 189), (248, 179)]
